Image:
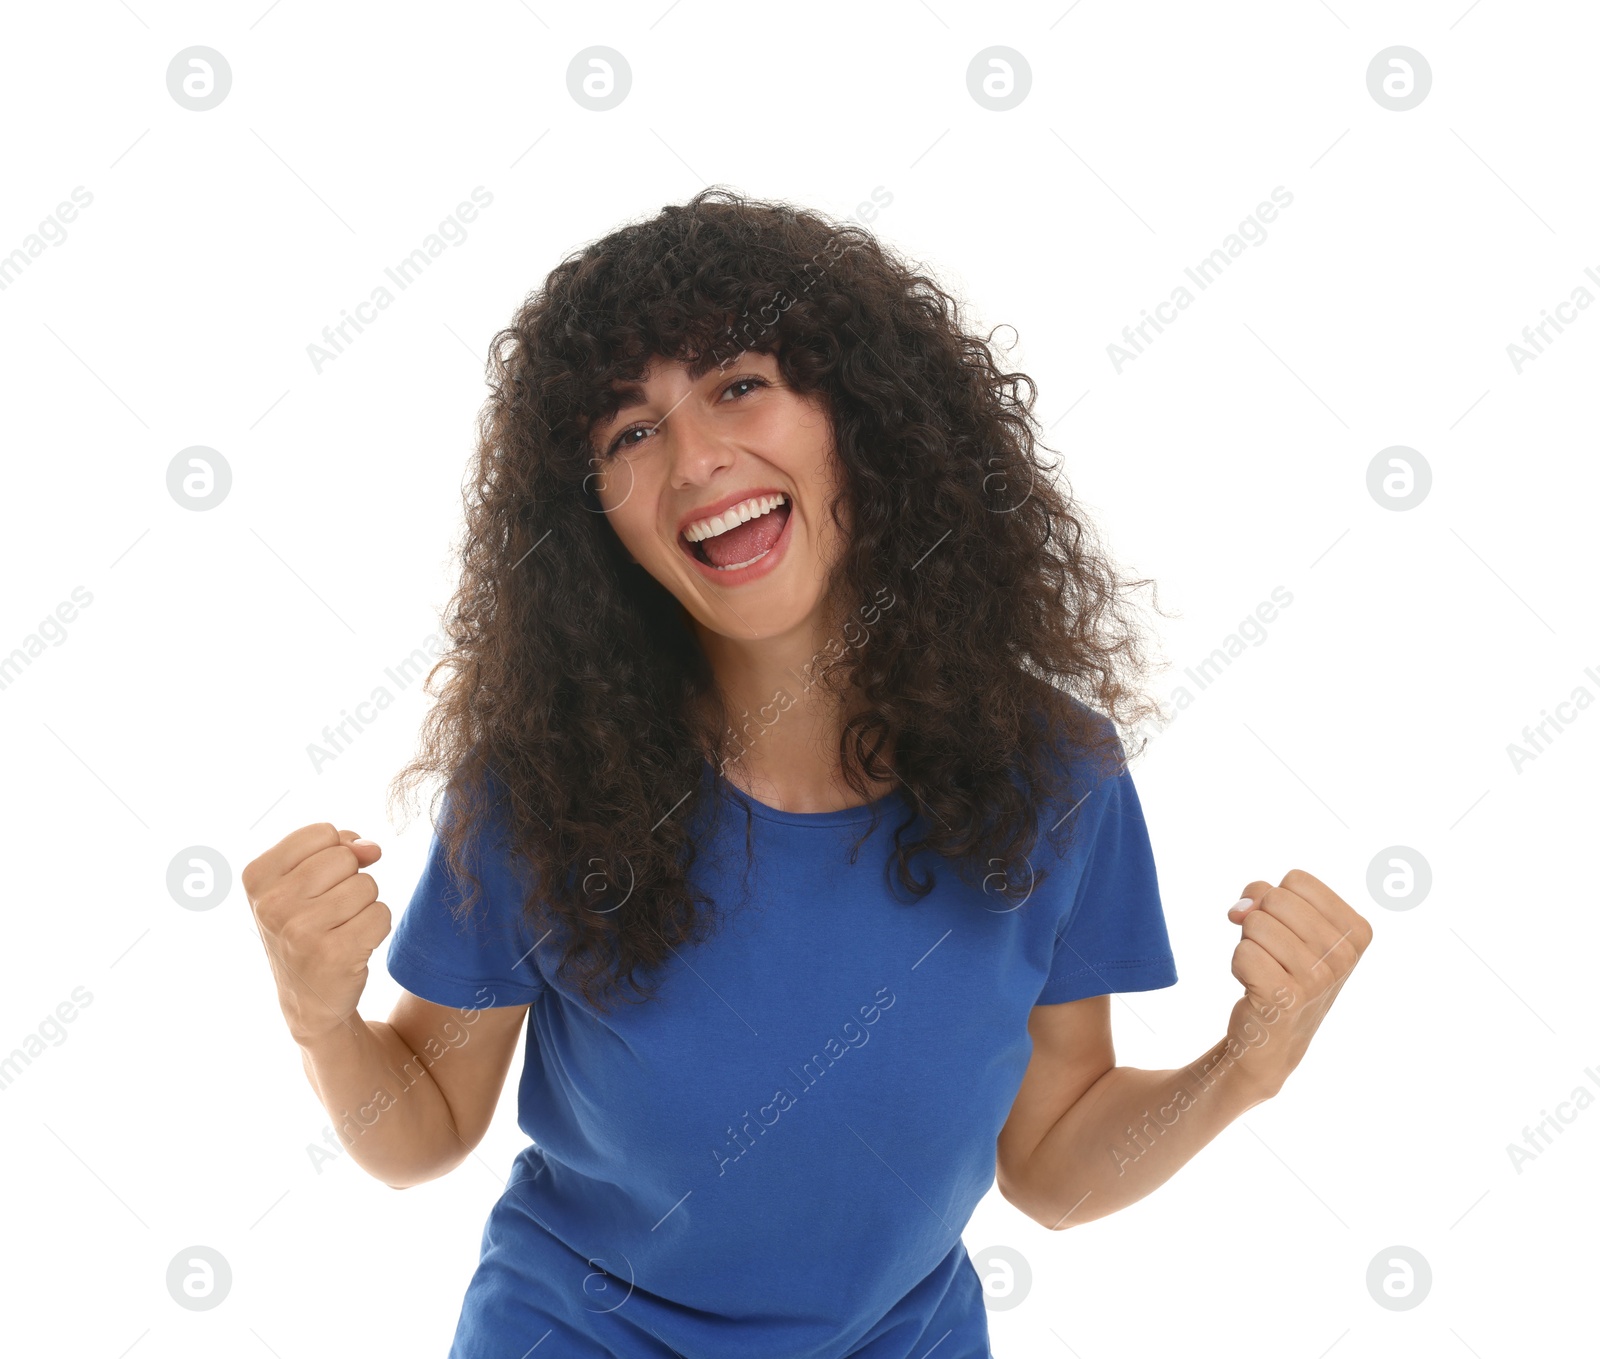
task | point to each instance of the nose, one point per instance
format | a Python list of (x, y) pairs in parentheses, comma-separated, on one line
[(696, 450)]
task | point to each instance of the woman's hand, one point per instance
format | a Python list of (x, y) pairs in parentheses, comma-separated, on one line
[(1300, 943), (320, 919)]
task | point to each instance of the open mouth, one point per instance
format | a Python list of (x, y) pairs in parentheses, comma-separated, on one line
[(742, 544)]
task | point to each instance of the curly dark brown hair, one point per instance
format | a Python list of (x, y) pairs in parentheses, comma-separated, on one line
[(994, 653)]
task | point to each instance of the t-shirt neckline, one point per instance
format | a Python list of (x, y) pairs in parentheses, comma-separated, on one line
[(841, 816)]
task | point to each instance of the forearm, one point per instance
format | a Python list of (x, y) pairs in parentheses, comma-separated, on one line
[(387, 1110), (1131, 1131)]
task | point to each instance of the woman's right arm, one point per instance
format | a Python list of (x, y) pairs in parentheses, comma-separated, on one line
[(411, 1097)]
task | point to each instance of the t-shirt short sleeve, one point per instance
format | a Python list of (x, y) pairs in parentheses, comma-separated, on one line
[(1114, 934), (485, 960)]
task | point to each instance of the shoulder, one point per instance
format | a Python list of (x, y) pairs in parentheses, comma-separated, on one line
[(1085, 760), (472, 858)]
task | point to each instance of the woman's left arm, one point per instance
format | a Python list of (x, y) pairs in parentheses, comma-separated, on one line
[(1080, 1145)]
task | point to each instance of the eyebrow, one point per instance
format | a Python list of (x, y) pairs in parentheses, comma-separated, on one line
[(631, 394)]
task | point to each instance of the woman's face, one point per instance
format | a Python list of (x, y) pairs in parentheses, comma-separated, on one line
[(680, 455)]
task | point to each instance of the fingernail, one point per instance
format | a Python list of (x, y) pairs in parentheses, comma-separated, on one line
[(1244, 902), (363, 842)]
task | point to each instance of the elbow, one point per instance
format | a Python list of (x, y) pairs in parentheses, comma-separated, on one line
[(408, 1176), (436, 1170), (411, 1181), (1048, 1210), (1051, 1217), (1016, 1191), (1056, 1219)]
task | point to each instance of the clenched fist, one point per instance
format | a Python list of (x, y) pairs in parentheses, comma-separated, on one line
[(320, 919), (1300, 941)]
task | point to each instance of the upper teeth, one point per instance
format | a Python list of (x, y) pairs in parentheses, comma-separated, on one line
[(702, 529)]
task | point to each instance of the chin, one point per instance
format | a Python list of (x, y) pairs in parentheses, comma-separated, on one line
[(733, 620)]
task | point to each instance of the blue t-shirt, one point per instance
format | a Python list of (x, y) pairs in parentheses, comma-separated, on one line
[(778, 1156)]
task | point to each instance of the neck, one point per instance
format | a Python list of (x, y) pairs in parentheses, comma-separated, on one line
[(783, 747)]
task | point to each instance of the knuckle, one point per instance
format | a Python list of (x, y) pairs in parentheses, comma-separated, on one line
[(298, 937), (374, 927), (269, 907), (321, 835)]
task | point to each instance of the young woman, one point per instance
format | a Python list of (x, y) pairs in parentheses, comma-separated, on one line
[(783, 798)]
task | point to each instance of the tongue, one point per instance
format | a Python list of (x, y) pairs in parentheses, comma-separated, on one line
[(749, 539)]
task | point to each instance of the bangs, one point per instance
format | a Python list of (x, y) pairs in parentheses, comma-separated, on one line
[(715, 338)]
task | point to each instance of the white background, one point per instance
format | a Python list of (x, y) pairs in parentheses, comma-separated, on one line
[(1229, 458)]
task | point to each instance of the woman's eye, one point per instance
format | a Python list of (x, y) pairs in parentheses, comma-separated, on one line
[(619, 444)]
